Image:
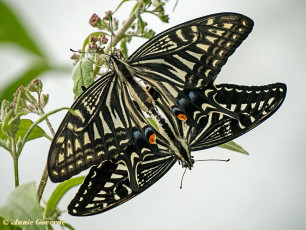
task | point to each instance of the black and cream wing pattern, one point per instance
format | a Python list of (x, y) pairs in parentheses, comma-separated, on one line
[(107, 185), (105, 125), (170, 81)]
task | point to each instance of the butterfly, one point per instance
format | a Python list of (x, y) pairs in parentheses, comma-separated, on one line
[(170, 80)]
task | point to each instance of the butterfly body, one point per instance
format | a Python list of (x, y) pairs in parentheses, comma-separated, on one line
[(176, 143)]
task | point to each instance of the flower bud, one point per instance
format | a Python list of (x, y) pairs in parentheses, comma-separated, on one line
[(44, 98), (107, 15), (95, 21), (35, 86)]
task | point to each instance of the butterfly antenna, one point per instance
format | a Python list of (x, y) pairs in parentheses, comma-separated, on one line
[(227, 160), (112, 32), (175, 6), (181, 186), (77, 51)]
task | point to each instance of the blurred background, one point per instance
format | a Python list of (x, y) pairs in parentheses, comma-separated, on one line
[(265, 190)]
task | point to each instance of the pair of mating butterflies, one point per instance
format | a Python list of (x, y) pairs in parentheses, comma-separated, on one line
[(170, 80)]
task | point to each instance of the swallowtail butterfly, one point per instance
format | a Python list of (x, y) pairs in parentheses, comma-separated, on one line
[(112, 133)]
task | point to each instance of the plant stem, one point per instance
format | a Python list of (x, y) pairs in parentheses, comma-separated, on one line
[(121, 32), (42, 183), (16, 172), (44, 177), (15, 159), (117, 38), (50, 127)]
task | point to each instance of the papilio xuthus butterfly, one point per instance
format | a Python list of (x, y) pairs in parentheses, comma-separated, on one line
[(177, 69)]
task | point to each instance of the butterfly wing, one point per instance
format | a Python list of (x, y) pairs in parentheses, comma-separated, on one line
[(107, 185), (191, 54), (253, 104), (106, 121)]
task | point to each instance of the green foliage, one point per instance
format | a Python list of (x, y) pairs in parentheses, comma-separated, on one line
[(153, 123), (22, 204), (231, 145), (58, 193), (4, 225), (13, 31), (23, 127), (24, 78), (82, 75)]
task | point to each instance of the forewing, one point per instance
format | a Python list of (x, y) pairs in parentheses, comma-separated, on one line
[(191, 54), (106, 122), (107, 185), (253, 105)]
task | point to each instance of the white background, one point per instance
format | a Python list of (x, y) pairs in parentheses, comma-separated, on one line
[(265, 190)]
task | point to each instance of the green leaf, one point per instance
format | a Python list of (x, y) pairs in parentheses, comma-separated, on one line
[(69, 226), (11, 30), (24, 125), (152, 123), (82, 75), (32, 127), (3, 144), (3, 136), (124, 47), (22, 204), (140, 21), (231, 145), (59, 192)]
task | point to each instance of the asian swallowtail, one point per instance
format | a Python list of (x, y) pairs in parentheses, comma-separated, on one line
[(111, 132)]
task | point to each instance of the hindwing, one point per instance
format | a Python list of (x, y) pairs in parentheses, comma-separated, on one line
[(107, 185), (253, 105)]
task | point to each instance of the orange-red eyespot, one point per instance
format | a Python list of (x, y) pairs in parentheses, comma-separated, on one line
[(152, 139), (182, 117)]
